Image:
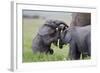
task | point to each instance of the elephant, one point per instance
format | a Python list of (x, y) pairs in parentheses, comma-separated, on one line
[(81, 19), (46, 35), (79, 39)]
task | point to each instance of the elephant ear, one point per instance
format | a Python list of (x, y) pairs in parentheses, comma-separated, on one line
[(45, 30)]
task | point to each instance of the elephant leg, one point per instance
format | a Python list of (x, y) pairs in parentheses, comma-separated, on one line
[(88, 46), (77, 57), (74, 54), (84, 56), (49, 51)]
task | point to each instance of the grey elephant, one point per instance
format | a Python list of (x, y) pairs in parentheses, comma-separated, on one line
[(46, 35), (79, 39), (81, 19)]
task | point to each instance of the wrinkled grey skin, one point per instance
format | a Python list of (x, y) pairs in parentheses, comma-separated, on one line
[(81, 19), (79, 41), (47, 34)]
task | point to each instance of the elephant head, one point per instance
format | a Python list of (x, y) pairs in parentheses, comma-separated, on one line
[(50, 31), (79, 39), (47, 34)]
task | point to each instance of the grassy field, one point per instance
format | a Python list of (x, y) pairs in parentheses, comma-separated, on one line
[(30, 29)]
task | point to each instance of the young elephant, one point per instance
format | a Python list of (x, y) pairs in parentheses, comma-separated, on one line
[(79, 41), (47, 34)]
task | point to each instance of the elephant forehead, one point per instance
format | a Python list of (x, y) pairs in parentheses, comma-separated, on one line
[(46, 31)]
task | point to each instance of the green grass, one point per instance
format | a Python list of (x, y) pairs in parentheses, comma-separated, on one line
[(59, 54)]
